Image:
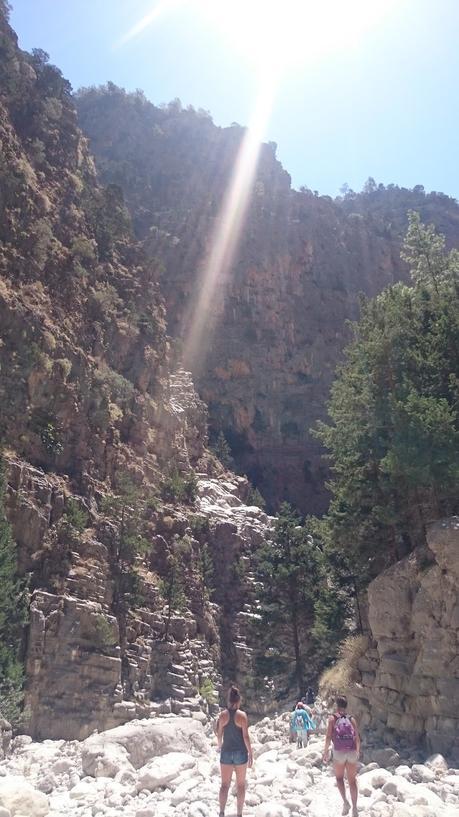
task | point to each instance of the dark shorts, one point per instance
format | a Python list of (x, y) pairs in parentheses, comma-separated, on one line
[(237, 758)]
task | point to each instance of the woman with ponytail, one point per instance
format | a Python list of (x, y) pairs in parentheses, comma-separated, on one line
[(235, 749)]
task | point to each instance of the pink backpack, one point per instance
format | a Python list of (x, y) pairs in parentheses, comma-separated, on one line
[(343, 736)]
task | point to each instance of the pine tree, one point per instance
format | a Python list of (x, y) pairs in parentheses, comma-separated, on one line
[(302, 612), (222, 450), (172, 584), (13, 617), (393, 434), (127, 509)]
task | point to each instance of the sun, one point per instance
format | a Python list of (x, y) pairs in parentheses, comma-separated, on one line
[(276, 36)]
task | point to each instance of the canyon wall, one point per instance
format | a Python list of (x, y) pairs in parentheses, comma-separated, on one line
[(279, 322), (104, 443)]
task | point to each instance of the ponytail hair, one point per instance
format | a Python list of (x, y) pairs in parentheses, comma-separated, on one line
[(234, 696)]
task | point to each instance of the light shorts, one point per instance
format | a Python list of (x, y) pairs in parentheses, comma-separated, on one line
[(302, 734), (345, 757)]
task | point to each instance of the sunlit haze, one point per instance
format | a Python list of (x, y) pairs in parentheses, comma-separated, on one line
[(364, 88)]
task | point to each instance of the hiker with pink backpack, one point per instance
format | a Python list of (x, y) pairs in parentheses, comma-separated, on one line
[(343, 732)]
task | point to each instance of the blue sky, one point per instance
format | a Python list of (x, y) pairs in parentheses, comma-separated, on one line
[(384, 105)]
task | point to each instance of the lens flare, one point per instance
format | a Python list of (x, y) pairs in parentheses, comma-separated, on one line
[(160, 9)]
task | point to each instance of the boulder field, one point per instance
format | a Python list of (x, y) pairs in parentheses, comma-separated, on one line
[(168, 766)]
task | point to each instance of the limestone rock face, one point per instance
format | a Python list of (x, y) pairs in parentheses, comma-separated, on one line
[(413, 686), (76, 678)]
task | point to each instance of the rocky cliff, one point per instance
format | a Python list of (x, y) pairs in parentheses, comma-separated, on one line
[(104, 443), (408, 680), (301, 262)]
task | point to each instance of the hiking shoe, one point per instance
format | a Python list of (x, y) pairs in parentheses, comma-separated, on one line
[(346, 807)]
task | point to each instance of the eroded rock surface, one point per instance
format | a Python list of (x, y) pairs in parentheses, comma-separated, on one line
[(410, 674)]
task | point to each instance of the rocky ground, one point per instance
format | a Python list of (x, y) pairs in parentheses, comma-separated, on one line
[(168, 766)]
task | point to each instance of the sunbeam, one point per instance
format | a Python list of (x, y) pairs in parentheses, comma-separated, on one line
[(212, 281)]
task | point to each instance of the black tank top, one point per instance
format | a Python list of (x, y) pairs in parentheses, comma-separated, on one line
[(233, 740)]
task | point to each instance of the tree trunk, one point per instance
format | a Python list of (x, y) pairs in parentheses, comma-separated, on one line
[(296, 642)]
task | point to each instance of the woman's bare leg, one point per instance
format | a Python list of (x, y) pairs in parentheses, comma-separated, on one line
[(339, 774), (241, 772), (351, 771), (226, 771)]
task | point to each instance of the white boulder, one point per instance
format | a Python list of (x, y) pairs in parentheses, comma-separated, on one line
[(437, 762), (374, 779), (421, 773), (146, 739), (101, 759), (162, 770), (271, 809), (18, 797)]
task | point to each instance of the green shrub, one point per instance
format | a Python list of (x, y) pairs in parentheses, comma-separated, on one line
[(51, 439), (83, 248), (199, 524), (104, 634), (178, 487), (65, 367), (222, 451), (76, 516), (254, 497), (120, 388), (207, 691)]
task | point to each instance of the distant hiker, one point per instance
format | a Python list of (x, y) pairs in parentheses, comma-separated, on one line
[(235, 749), (301, 724), (310, 697), (343, 732)]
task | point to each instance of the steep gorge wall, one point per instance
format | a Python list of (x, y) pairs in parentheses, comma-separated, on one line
[(92, 401), (301, 262), (408, 683)]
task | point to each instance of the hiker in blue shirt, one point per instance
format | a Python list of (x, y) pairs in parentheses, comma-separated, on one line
[(301, 724)]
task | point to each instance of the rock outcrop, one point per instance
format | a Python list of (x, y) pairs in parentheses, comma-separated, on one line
[(409, 676), (78, 676)]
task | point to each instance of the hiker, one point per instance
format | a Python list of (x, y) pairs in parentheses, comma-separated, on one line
[(343, 732), (310, 697), (235, 749), (301, 724)]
